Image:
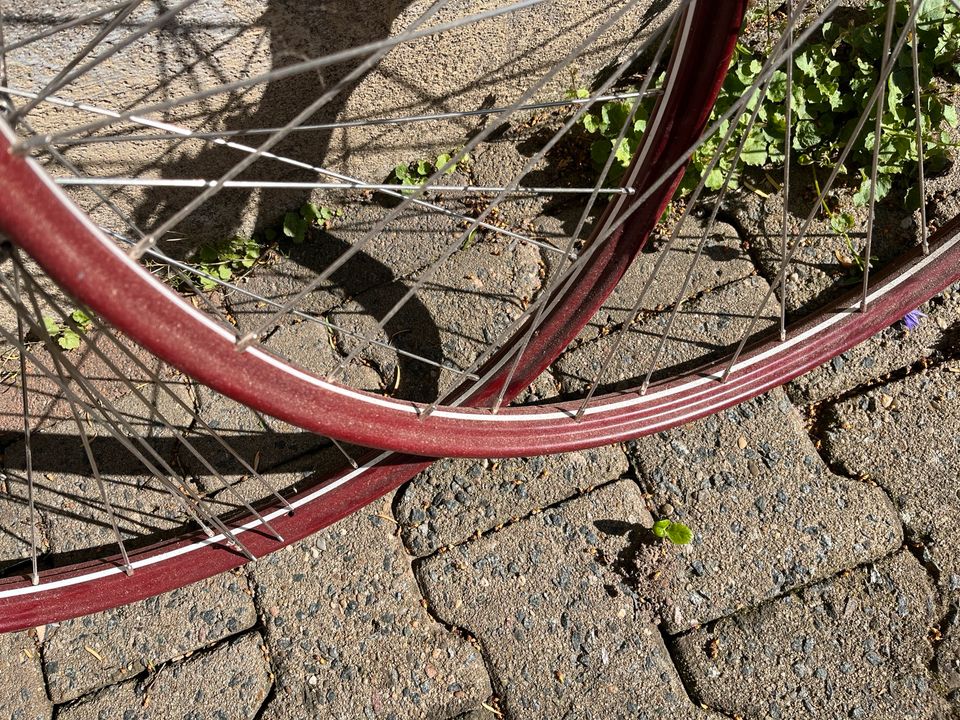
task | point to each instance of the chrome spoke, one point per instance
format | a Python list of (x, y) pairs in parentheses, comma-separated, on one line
[(3, 46), (27, 449), (453, 398), (359, 51), (81, 20), (346, 455), (664, 252), (787, 157), (921, 179), (707, 230), (157, 382), (323, 277), (875, 162), (346, 124), (528, 165), (287, 185), (103, 411), (301, 117)]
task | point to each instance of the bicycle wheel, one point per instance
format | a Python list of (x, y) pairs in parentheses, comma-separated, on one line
[(196, 529), (74, 588)]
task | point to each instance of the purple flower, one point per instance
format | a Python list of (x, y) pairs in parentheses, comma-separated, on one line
[(913, 319)]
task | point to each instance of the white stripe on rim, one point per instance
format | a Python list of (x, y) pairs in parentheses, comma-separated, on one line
[(504, 416)]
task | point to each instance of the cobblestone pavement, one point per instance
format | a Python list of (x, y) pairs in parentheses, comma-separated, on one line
[(823, 579)]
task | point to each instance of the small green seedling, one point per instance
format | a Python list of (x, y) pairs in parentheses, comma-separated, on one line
[(67, 336), (221, 261), (677, 533), (843, 223), (419, 171), (296, 224)]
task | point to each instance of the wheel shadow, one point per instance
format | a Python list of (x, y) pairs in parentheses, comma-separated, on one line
[(294, 34)]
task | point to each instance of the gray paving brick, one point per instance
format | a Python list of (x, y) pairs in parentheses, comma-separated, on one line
[(454, 499), (854, 646), (230, 681), (349, 636), (905, 436), (561, 634), (84, 654), (767, 514), (22, 692)]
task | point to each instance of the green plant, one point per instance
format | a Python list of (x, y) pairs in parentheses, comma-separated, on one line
[(677, 533), (296, 223), (831, 89), (222, 260), (67, 335), (419, 171), (842, 222)]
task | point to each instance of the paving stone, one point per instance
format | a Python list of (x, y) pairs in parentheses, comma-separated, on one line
[(454, 499), (348, 634), (723, 260), (706, 323), (509, 53), (22, 692), (230, 681), (854, 646), (905, 436), (561, 634), (891, 349), (89, 652), (71, 512), (818, 262), (767, 514), (946, 664), (477, 714)]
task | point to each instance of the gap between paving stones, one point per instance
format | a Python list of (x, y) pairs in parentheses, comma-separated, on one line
[(868, 625), (478, 534), (370, 654), (458, 630), (570, 606), (177, 686), (920, 418), (495, 702), (78, 654)]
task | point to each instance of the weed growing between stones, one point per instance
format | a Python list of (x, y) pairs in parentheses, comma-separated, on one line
[(227, 260), (419, 171), (832, 83), (67, 335), (677, 533)]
